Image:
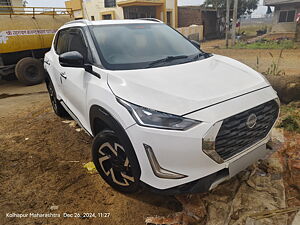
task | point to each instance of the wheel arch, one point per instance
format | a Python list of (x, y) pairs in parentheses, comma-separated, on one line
[(101, 119)]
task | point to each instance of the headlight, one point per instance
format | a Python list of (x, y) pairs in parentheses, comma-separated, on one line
[(152, 118)]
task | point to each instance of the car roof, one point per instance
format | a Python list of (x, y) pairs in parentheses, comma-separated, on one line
[(109, 22)]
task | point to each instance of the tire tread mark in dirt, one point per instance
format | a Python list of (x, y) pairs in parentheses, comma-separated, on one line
[(71, 182), (17, 95)]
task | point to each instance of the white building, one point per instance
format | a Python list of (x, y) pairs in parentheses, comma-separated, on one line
[(285, 15)]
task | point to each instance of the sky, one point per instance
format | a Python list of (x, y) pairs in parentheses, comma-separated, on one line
[(43, 3), (61, 3)]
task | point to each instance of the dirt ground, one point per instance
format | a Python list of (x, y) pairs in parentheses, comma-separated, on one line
[(41, 164), (258, 59), (41, 171)]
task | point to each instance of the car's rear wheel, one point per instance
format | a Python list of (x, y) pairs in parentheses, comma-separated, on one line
[(57, 107), (113, 162)]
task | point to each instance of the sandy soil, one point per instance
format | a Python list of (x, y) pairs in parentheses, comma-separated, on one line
[(41, 164), (258, 59)]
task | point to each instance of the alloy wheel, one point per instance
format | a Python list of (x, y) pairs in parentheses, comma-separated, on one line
[(115, 164)]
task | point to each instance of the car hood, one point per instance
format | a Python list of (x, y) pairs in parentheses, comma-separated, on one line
[(180, 89)]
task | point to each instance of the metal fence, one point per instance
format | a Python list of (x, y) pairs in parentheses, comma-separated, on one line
[(33, 11)]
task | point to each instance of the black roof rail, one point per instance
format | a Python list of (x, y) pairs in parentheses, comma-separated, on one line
[(78, 21), (151, 19)]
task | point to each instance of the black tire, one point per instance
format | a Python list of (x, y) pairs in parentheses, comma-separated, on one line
[(57, 107), (115, 163), (30, 71)]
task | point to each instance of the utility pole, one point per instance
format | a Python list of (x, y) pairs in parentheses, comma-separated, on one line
[(227, 21), (235, 8)]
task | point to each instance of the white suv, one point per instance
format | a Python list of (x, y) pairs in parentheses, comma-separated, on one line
[(164, 114)]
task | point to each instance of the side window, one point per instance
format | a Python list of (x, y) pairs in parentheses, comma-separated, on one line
[(77, 43), (62, 42), (287, 16)]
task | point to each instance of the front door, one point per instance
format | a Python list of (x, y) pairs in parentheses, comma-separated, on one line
[(75, 79)]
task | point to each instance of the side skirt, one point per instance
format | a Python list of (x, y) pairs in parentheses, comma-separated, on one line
[(74, 117)]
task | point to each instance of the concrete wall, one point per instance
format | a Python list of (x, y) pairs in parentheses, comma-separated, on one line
[(192, 32), (188, 16), (76, 6), (170, 6), (289, 27), (96, 8)]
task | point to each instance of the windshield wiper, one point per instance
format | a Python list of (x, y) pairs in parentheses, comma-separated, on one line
[(166, 59), (201, 55)]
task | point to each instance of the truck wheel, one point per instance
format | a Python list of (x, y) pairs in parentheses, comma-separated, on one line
[(57, 107), (30, 71), (112, 161)]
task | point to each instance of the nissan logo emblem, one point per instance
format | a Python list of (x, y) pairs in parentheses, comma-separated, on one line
[(251, 121)]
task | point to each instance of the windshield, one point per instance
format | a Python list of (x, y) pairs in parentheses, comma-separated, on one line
[(136, 46)]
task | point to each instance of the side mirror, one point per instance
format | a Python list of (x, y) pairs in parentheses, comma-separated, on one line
[(71, 59), (75, 59), (195, 43)]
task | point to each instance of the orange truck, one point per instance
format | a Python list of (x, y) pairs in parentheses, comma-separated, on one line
[(26, 34)]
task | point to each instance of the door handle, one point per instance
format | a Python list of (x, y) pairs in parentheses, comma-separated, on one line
[(63, 75), (47, 62)]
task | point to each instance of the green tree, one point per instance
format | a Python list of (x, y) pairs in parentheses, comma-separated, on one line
[(244, 6)]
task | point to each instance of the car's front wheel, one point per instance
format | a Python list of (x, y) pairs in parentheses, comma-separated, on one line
[(113, 163)]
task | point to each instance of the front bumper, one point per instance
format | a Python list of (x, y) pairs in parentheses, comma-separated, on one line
[(209, 182), (181, 151)]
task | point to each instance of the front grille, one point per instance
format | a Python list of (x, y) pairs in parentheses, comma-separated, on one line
[(235, 136)]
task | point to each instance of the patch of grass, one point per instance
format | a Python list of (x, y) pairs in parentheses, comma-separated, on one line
[(290, 117), (284, 44), (289, 123), (273, 69)]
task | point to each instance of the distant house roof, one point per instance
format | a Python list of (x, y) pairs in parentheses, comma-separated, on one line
[(279, 2)]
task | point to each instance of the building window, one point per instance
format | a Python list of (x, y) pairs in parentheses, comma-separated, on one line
[(135, 12), (92, 18), (109, 3), (287, 16), (106, 17)]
